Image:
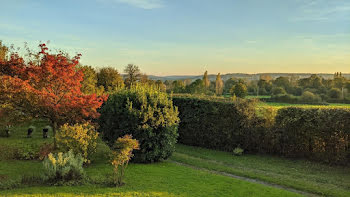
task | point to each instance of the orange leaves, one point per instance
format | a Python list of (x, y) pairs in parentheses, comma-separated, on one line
[(47, 87)]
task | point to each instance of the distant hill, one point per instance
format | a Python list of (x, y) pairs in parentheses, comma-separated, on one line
[(244, 76)]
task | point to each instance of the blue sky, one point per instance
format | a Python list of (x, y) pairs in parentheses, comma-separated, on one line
[(176, 37)]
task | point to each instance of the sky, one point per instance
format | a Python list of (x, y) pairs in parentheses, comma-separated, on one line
[(187, 37)]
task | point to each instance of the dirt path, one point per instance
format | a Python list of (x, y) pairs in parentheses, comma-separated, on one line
[(247, 179)]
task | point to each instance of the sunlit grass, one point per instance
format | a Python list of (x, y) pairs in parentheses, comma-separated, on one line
[(299, 174), (157, 179)]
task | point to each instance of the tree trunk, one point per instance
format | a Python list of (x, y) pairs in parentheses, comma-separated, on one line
[(54, 128)]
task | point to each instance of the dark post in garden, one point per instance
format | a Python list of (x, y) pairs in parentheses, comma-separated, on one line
[(45, 131), (29, 132), (7, 132)]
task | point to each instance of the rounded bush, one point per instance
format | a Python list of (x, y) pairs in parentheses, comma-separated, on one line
[(310, 97), (80, 138), (148, 115)]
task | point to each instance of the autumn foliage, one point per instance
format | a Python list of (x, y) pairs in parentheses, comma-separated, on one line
[(47, 86), (121, 156)]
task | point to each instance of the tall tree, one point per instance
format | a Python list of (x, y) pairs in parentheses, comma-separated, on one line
[(219, 85), (89, 83), (110, 79), (178, 86), (196, 87), (48, 87), (239, 90), (132, 74), (160, 85), (206, 80), (229, 83), (3, 51)]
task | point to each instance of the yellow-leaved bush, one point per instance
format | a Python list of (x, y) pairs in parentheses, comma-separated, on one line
[(80, 138), (121, 155)]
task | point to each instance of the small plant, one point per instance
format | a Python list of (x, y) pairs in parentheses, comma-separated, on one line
[(31, 179), (45, 150), (238, 151), (121, 156), (80, 138), (63, 167)]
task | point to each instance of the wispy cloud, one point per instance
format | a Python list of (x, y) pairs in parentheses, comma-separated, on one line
[(251, 41), (322, 10), (144, 4)]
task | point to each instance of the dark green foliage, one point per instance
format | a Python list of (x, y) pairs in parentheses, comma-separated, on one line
[(278, 90), (239, 90), (306, 98), (21, 151), (217, 124), (197, 87), (316, 134), (285, 98), (335, 93), (145, 113), (310, 97), (319, 134)]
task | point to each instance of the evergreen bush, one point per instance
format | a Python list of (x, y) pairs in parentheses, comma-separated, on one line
[(148, 115)]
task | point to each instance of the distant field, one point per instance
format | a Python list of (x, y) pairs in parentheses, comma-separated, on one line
[(250, 96), (262, 97), (273, 104)]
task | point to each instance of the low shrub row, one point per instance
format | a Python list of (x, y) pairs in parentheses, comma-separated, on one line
[(20, 151), (317, 134), (305, 98)]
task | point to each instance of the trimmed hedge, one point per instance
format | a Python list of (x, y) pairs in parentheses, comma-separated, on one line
[(317, 134), (215, 124)]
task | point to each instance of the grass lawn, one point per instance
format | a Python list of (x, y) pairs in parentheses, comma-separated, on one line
[(280, 105), (158, 179), (299, 174), (257, 97)]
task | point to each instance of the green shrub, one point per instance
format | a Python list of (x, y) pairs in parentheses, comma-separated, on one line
[(317, 134), (63, 167), (218, 124), (238, 151), (20, 151), (278, 90), (285, 98), (145, 113), (335, 93), (80, 138), (320, 134), (309, 97)]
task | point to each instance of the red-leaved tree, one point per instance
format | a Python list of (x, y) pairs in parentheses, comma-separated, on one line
[(47, 87)]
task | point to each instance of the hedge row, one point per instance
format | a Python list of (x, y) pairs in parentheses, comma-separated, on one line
[(311, 133)]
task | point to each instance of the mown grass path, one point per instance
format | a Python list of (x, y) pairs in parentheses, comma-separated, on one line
[(298, 175), (246, 179)]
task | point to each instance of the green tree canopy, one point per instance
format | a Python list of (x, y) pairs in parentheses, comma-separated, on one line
[(110, 79), (89, 83), (240, 90)]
